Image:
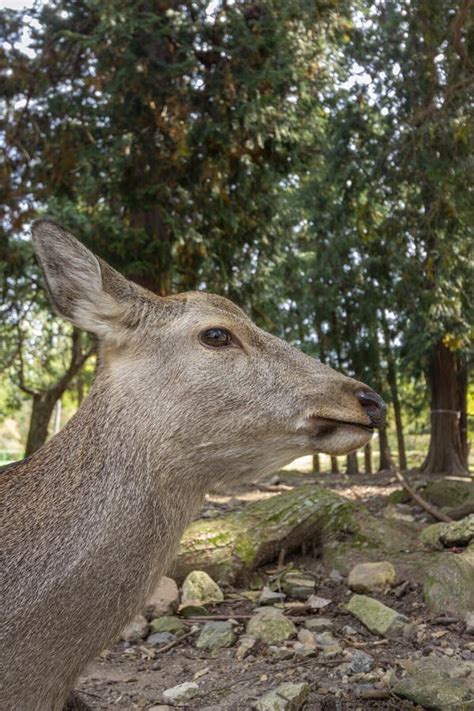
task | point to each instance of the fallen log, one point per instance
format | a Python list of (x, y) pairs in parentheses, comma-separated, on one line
[(231, 546)]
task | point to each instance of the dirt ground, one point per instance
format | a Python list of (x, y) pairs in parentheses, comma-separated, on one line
[(133, 676)]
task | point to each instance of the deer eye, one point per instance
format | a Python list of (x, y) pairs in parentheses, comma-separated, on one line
[(216, 337)]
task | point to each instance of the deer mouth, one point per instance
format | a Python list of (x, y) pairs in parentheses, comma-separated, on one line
[(327, 425)]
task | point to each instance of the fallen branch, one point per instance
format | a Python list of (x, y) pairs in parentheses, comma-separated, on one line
[(230, 546), (175, 642), (430, 508)]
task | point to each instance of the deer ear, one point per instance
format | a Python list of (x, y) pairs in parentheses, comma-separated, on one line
[(82, 288)]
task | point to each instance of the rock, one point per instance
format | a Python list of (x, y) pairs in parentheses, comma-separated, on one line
[(199, 587), (161, 707), (318, 624), (447, 493), (246, 644), (136, 630), (430, 536), (268, 597), (395, 511), (216, 635), (298, 585), (399, 496), (164, 600), (434, 689), (281, 653), (307, 638), (302, 650), (469, 620), (448, 535), (286, 697), (448, 585), (458, 533), (349, 631), (270, 625), (336, 576), (316, 602), (360, 662), (181, 692), (372, 577), (377, 617), (167, 624), (159, 638), (328, 644)]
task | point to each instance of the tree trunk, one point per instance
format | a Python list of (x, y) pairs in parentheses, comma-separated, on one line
[(393, 385), (316, 464), (42, 409), (334, 466), (446, 378), (230, 546), (352, 464), (368, 458), (385, 461), (463, 385)]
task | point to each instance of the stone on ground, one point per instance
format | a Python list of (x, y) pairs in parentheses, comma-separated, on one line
[(181, 692), (469, 620), (136, 630), (298, 585), (377, 617), (216, 635), (360, 662), (268, 597), (159, 638), (372, 577), (435, 689), (164, 600), (286, 697), (458, 533), (270, 625), (449, 584), (307, 638), (199, 587), (398, 512), (245, 646), (318, 624), (167, 624), (329, 645)]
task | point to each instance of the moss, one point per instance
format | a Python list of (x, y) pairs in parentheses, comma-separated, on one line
[(447, 493), (399, 496), (246, 549)]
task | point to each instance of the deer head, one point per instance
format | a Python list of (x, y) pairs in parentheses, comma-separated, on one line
[(198, 377)]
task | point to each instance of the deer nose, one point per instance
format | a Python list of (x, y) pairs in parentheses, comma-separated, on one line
[(374, 406)]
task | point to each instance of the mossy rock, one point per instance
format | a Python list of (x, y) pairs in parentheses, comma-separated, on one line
[(449, 585), (167, 624), (270, 625), (377, 617), (380, 539), (433, 689), (447, 493), (399, 496), (430, 536)]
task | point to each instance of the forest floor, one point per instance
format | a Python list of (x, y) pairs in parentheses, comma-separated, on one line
[(134, 676)]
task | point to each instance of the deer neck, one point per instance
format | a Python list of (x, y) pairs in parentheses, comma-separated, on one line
[(113, 479)]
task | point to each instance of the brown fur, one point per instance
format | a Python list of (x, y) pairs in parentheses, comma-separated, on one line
[(93, 519)]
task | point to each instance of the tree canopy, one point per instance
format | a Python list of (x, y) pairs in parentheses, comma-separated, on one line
[(311, 160)]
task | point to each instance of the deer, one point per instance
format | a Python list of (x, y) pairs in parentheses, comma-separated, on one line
[(189, 393)]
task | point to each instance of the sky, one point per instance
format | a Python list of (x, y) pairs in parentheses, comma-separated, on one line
[(15, 4)]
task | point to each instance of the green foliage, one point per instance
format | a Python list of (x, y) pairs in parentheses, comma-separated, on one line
[(312, 160)]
